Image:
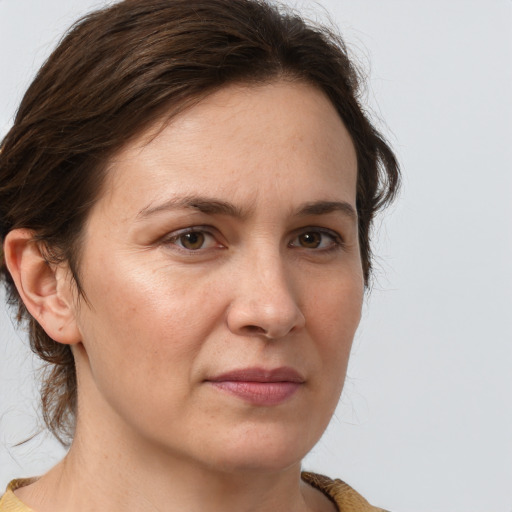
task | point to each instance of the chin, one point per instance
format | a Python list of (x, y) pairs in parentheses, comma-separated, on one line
[(261, 450), (264, 461)]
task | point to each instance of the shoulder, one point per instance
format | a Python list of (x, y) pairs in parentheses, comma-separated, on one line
[(346, 498), (9, 501)]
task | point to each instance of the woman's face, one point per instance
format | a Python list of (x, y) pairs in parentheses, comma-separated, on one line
[(223, 280)]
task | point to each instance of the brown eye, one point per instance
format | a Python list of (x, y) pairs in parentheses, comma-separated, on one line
[(192, 241), (319, 239), (310, 240)]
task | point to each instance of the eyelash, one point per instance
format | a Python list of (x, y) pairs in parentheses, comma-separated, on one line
[(336, 240)]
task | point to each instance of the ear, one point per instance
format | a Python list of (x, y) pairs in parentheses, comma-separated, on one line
[(46, 289)]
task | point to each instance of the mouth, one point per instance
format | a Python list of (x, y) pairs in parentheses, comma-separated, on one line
[(259, 386)]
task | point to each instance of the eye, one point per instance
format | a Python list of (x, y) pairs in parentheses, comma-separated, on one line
[(193, 239), (317, 239), (310, 240)]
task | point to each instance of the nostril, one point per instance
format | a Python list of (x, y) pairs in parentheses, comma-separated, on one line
[(254, 329)]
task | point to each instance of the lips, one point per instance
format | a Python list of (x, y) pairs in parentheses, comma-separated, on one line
[(259, 386)]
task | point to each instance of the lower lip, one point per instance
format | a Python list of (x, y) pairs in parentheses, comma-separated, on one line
[(259, 393)]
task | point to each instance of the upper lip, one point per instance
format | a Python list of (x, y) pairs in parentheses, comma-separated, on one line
[(281, 374)]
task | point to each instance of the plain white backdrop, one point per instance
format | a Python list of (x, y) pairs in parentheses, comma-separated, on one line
[(425, 421)]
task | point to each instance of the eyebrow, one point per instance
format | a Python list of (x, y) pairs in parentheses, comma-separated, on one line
[(202, 204), (325, 207), (213, 206)]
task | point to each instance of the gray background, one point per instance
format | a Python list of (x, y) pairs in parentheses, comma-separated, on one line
[(425, 421)]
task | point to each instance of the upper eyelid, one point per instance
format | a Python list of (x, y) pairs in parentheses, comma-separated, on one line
[(327, 231), (192, 229)]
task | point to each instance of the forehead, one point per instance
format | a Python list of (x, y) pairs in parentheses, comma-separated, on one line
[(242, 141)]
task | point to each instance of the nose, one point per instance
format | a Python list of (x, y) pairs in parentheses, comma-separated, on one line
[(264, 302)]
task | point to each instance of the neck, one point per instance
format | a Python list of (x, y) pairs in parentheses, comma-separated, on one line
[(100, 473), (118, 483)]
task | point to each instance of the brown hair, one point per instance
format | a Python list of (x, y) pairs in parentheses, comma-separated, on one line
[(112, 75)]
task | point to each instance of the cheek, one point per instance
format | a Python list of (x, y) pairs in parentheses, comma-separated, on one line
[(333, 315), (151, 317), (335, 308), (142, 335)]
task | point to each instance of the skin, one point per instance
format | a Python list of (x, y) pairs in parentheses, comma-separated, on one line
[(266, 281)]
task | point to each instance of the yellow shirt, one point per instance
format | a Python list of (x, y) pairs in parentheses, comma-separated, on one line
[(346, 499), (9, 502)]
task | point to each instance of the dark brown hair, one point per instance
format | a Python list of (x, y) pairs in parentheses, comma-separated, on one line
[(114, 73)]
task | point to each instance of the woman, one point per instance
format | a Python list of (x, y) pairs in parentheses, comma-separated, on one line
[(201, 182)]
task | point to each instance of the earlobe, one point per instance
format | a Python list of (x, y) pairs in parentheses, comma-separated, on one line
[(44, 288)]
